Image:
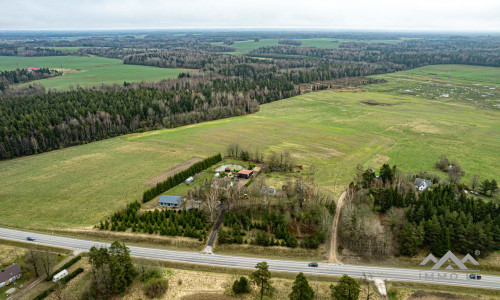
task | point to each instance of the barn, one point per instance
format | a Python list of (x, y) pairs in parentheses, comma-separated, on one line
[(10, 275)]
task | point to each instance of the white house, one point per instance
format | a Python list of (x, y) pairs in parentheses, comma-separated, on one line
[(422, 184)]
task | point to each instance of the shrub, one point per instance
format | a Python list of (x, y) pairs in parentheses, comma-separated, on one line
[(156, 287), (292, 242), (147, 272), (310, 242), (241, 286)]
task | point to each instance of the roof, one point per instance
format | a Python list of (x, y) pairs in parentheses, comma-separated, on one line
[(247, 172), (418, 181), (33, 69), (170, 199), (10, 272)]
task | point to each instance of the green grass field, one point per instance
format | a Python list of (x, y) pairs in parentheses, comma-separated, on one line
[(476, 86), (79, 186), (87, 71), (244, 47)]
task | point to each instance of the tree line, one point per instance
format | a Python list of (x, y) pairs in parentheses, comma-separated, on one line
[(346, 288), (40, 123)]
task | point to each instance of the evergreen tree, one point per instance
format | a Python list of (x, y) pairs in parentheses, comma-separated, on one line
[(241, 286), (301, 290), (346, 289), (262, 279)]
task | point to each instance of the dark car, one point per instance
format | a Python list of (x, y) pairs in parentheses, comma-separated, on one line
[(30, 238), (475, 276), (313, 265)]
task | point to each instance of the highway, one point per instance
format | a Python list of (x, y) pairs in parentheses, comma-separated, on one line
[(396, 274)]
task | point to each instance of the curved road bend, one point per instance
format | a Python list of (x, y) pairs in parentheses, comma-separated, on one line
[(398, 274)]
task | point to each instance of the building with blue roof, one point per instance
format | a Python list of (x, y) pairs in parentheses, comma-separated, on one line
[(170, 201)]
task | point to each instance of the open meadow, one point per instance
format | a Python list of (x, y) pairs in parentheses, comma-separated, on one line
[(335, 131), (86, 71), (473, 85)]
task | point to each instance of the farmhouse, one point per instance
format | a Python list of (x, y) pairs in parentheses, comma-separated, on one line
[(33, 69), (244, 174), (170, 201), (10, 275), (422, 184)]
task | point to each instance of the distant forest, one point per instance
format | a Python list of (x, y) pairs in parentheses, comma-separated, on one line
[(219, 86)]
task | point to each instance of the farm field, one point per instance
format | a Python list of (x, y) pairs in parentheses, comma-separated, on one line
[(79, 186), (245, 46), (476, 86), (87, 71)]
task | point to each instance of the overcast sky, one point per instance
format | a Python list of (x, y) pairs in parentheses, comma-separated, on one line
[(456, 15)]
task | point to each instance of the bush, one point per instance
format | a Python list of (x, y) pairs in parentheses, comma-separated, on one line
[(156, 287), (241, 286), (147, 272), (65, 266), (310, 242), (292, 241)]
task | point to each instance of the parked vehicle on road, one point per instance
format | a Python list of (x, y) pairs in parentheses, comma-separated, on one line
[(313, 265), (31, 238), (475, 276)]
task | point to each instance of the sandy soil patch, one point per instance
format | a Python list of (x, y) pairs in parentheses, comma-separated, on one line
[(172, 171)]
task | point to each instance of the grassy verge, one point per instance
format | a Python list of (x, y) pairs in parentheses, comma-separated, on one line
[(401, 290)]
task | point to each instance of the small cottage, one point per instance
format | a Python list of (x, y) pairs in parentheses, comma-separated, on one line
[(422, 184), (170, 201), (10, 275)]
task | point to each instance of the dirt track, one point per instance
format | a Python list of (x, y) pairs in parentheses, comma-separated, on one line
[(332, 255), (172, 171)]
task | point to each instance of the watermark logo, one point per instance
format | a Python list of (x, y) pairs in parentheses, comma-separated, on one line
[(449, 256)]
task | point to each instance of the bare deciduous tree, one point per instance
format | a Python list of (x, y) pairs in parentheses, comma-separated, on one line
[(47, 261), (33, 258), (475, 181), (212, 200)]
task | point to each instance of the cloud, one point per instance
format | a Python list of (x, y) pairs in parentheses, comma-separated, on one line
[(480, 15)]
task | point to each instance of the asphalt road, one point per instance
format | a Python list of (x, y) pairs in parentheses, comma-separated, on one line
[(397, 274)]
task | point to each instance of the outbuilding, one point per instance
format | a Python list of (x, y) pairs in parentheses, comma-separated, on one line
[(170, 201), (10, 275), (245, 174)]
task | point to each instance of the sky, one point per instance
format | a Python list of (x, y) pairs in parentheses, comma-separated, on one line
[(442, 15)]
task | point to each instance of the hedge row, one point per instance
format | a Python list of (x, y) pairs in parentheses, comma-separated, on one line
[(65, 266), (179, 178), (64, 280)]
